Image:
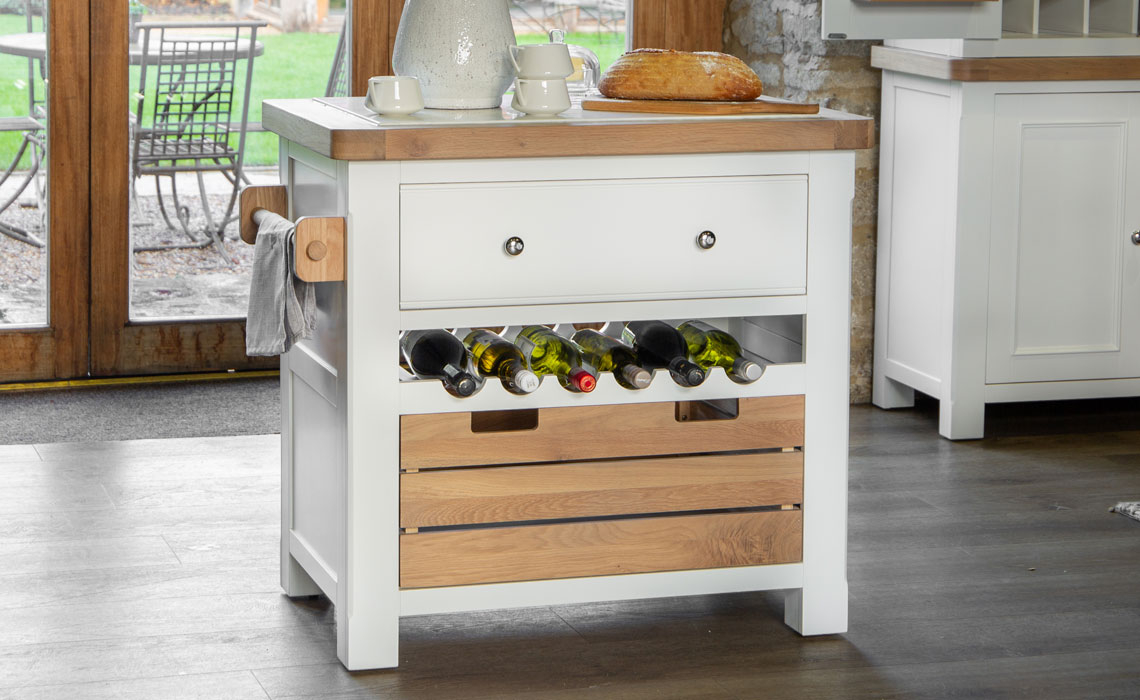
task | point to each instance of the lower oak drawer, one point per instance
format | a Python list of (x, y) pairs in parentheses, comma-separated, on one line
[(600, 432), (600, 547), (597, 489)]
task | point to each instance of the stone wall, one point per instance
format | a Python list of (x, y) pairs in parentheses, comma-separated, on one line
[(780, 39)]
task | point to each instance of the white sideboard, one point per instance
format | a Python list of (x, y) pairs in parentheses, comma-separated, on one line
[(400, 499), (1008, 267)]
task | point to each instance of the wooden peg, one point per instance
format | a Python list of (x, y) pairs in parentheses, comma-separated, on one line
[(316, 251), (411, 530), (274, 198), (322, 239)]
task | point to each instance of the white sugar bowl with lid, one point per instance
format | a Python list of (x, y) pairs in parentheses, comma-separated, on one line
[(458, 49)]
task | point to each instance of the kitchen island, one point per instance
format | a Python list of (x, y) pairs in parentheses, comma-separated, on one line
[(401, 499)]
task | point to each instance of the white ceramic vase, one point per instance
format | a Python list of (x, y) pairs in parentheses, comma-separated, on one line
[(458, 50)]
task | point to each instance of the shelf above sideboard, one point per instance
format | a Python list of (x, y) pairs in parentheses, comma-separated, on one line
[(1039, 68)]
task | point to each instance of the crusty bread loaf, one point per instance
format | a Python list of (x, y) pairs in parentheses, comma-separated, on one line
[(663, 74)]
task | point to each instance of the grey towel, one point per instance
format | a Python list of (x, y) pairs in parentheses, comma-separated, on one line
[(282, 308)]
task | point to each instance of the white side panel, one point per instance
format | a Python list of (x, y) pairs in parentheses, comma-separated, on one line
[(1059, 248), (318, 451), (919, 216), (862, 19)]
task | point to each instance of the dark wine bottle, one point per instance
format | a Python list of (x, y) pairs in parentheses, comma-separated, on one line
[(497, 357), (437, 354), (661, 346), (608, 354)]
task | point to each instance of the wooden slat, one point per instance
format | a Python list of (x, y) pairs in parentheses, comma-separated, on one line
[(694, 25), (597, 548), (599, 432), (594, 489), (1006, 69)]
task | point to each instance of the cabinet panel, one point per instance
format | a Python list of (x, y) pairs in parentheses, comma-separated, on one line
[(1060, 254)]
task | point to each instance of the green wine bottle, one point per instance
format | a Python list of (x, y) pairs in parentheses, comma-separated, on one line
[(496, 357), (711, 347), (608, 354), (550, 353)]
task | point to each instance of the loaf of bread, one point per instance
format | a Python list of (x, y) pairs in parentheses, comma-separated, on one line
[(664, 74)]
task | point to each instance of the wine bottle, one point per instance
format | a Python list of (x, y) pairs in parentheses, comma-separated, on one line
[(437, 354), (550, 353), (608, 354), (711, 347), (660, 346), (496, 357)]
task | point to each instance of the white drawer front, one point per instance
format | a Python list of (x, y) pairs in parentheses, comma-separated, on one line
[(601, 240)]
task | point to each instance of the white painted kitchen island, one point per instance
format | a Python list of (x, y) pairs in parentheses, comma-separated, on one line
[(399, 499)]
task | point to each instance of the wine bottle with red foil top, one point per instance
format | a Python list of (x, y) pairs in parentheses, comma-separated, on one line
[(437, 354), (661, 346), (551, 354), (608, 354), (495, 356)]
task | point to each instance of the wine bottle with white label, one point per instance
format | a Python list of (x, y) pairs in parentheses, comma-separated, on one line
[(660, 346), (711, 347), (496, 357), (551, 354), (437, 354), (608, 354)]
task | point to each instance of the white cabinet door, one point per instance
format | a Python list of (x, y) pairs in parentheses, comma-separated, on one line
[(870, 19), (1064, 282)]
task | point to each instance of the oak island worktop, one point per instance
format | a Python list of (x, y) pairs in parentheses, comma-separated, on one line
[(401, 499)]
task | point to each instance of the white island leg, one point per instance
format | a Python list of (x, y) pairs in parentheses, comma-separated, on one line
[(820, 607), (368, 605)]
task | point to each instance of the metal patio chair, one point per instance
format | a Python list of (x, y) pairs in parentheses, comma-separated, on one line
[(338, 76), (190, 127), (34, 141)]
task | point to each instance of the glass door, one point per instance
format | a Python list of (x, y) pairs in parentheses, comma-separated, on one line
[(181, 109), (44, 141)]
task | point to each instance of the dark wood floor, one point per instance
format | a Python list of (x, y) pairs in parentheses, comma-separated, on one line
[(987, 569)]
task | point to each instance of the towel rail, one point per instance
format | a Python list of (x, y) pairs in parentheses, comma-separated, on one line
[(319, 240)]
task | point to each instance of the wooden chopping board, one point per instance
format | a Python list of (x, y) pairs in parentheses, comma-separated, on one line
[(757, 106)]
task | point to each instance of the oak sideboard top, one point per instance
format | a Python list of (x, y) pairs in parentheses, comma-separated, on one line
[(341, 128)]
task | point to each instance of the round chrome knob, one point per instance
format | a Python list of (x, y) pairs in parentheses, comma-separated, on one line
[(514, 245), (706, 240), (1136, 238)]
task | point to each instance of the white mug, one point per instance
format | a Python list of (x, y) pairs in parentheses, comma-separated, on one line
[(541, 61), (541, 97), (394, 94)]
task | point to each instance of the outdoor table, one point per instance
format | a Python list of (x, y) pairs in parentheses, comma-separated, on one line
[(34, 45)]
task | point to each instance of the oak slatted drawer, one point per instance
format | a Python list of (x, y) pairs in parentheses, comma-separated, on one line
[(577, 433), (597, 490), (599, 547)]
